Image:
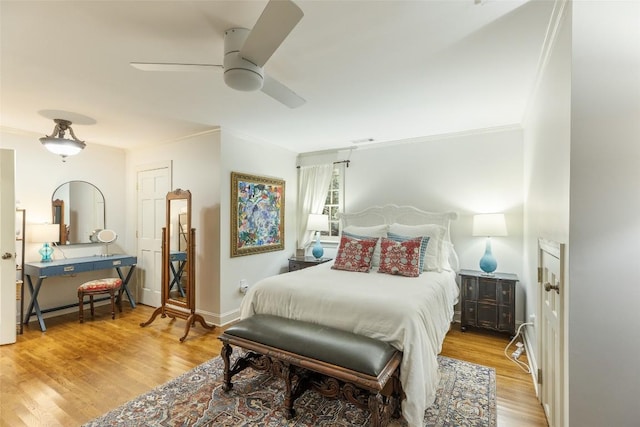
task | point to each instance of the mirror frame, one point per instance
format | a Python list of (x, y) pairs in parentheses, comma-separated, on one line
[(58, 213), (189, 269)]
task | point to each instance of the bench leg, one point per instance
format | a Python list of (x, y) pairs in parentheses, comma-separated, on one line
[(375, 407), (287, 376), (250, 359), (225, 353)]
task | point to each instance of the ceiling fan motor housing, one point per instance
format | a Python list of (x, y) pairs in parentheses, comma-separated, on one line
[(240, 73)]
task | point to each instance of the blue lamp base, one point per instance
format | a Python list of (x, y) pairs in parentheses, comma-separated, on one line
[(46, 251), (317, 250), (488, 262)]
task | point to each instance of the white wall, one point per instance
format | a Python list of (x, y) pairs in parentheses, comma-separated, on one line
[(195, 164), (546, 168), (38, 174), (604, 340), (256, 158), (478, 172)]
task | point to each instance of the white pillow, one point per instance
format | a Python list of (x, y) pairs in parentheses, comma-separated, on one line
[(434, 259), (372, 231), (451, 261)]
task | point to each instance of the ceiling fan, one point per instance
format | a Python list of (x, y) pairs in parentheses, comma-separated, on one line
[(246, 52)]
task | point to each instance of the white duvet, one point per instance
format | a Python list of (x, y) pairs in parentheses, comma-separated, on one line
[(411, 313)]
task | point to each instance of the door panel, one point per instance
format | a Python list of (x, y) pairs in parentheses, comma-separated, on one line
[(153, 186), (7, 247), (552, 290)]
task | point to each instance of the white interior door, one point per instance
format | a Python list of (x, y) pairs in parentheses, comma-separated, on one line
[(552, 292), (7, 247), (154, 182)]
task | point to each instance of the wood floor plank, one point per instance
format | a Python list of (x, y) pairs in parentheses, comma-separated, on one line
[(75, 372)]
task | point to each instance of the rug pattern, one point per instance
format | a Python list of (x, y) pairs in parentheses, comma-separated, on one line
[(466, 396)]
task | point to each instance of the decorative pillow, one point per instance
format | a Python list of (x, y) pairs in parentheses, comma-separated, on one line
[(434, 257), (359, 232), (355, 254), (401, 258), (423, 245)]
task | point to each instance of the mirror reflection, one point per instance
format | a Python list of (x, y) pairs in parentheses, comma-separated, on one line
[(178, 224), (79, 208)]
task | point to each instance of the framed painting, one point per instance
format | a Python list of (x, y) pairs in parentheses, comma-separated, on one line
[(257, 214)]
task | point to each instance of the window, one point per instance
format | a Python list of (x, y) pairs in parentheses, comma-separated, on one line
[(334, 203)]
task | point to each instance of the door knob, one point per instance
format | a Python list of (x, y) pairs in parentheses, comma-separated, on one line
[(548, 287), (6, 255)]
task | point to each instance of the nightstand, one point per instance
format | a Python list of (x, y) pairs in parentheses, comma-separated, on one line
[(300, 262), (488, 301)]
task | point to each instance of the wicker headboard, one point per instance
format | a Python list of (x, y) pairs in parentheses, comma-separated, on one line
[(388, 214)]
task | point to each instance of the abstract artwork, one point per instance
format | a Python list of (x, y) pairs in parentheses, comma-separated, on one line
[(257, 214)]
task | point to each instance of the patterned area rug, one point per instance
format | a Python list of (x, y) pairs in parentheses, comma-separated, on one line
[(466, 396)]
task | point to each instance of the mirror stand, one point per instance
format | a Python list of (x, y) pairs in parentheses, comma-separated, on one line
[(178, 265)]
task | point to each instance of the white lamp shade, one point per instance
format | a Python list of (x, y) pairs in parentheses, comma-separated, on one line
[(318, 222), (489, 225), (43, 233)]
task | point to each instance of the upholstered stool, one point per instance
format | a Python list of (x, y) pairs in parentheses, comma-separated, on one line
[(109, 286)]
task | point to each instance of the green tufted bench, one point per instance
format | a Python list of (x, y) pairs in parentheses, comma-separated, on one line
[(306, 355)]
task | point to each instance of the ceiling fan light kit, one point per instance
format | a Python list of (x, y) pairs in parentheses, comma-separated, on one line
[(58, 144), (240, 73)]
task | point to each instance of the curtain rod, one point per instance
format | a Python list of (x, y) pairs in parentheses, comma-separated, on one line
[(335, 163)]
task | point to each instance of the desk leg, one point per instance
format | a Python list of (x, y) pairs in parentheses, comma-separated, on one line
[(34, 303), (125, 282), (177, 276)]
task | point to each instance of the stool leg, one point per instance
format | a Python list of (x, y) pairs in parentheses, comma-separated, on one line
[(113, 304), (119, 300), (81, 307), (91, 304)]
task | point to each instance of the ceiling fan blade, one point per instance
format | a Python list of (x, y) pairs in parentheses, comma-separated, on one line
[(281, 93), (172, 66), (278, 18)]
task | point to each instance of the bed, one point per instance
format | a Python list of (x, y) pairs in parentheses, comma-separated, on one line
[(412, 313)]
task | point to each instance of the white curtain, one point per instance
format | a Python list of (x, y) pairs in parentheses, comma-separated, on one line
[(313, 185)]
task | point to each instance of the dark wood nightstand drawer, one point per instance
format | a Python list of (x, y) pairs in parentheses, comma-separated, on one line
[(298, 263)]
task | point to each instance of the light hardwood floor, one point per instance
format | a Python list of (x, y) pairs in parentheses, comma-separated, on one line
[(75, 372)]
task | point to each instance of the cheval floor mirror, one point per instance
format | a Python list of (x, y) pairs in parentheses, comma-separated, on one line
[(178, 264)]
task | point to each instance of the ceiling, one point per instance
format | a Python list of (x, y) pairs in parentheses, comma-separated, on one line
[(385, 70)]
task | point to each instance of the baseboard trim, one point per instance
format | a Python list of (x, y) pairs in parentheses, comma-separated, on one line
[(531, 357)]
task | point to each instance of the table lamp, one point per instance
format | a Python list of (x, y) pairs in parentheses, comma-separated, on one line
[(45, 234), (318, 223), (489, 225)]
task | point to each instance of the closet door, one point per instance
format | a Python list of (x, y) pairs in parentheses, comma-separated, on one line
[(7, 247)]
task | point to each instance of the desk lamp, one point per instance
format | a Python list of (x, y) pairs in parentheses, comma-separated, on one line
[(45, 234)]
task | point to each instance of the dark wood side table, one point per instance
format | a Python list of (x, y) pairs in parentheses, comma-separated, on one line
[(488, 301), (300, 262)]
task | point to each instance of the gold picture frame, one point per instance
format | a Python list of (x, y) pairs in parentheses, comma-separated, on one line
[(257, 214)]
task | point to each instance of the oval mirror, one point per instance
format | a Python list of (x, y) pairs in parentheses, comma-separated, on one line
[(79, 208), (106, 236)]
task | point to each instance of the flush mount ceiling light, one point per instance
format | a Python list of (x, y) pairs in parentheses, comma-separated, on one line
[(58, 144)]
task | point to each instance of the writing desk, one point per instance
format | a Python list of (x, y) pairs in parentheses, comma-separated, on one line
[(39, 271)]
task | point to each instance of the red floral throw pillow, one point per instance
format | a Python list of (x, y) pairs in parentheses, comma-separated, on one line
[(401, 258), (355, 254)]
